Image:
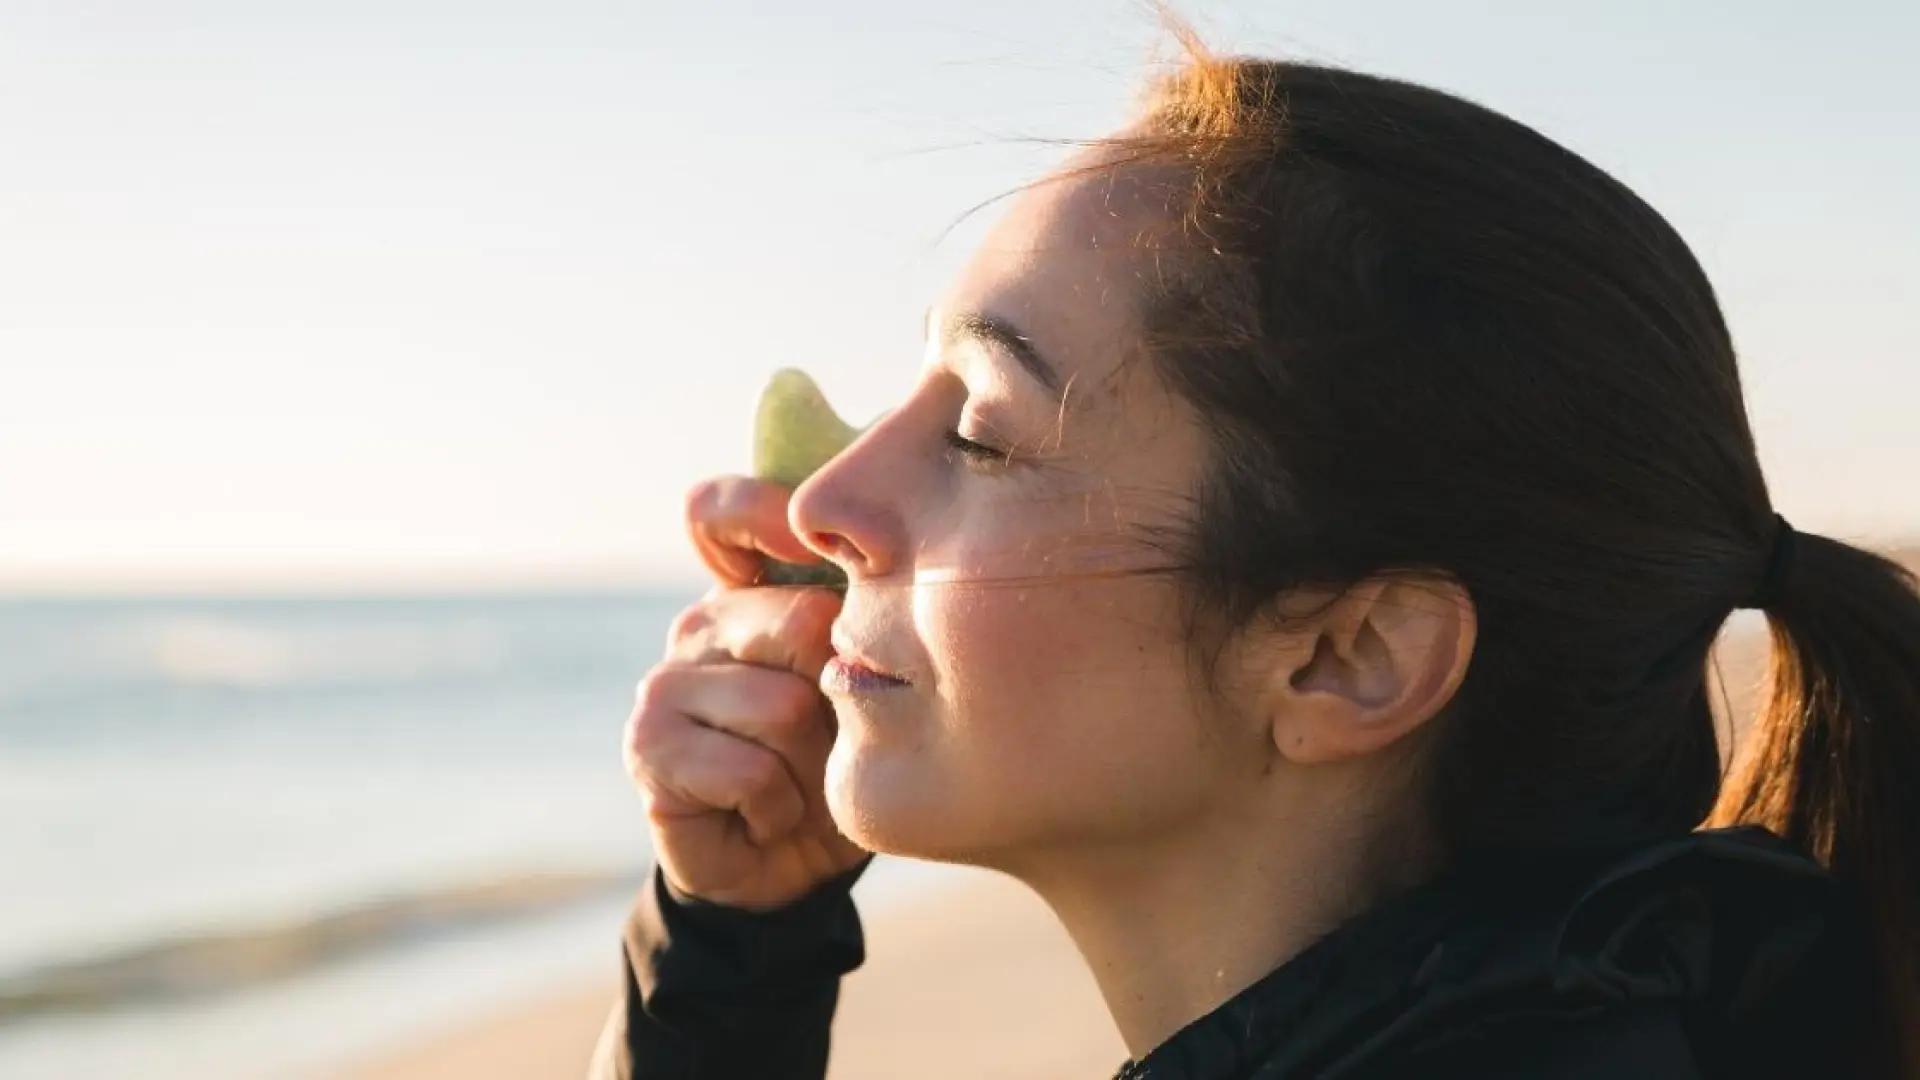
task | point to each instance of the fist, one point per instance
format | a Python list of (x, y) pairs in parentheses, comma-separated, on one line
[(729, 735)]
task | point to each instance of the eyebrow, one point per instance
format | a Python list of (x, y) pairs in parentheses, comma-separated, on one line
[(974, 326)]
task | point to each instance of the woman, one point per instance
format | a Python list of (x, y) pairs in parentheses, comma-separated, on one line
[(1297, 562)]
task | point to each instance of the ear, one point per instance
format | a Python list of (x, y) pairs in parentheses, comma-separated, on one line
[(1385, 657)]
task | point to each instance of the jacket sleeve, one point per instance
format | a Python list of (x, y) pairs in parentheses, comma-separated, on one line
[(717, 993)]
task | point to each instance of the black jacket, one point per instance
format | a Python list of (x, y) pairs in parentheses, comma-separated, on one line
[(1721, 954)]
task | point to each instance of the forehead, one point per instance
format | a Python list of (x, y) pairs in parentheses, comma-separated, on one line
[(1091, 204), (1068, 262)]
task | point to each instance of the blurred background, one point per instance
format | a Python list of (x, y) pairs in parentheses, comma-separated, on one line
[(354, 356)]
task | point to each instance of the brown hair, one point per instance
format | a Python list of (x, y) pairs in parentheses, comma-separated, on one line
[(1428, 339)]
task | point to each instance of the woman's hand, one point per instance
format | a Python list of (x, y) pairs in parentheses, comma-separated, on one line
[(729, 735)]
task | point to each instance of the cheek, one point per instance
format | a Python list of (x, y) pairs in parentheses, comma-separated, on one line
[(1066, 708), (994, 645), (1043, 606)]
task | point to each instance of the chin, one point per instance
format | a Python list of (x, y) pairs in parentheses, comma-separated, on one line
[(891, 804)]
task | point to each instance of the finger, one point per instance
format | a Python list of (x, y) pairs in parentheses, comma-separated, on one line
[(775, 710), (693, 770), (787, 629), (737, 523), (689, 635)]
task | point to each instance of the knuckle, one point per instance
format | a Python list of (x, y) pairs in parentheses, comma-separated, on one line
[(652, 760), (757, 645), (644, 774), (642, 736), (655, 692), (689, 623), (641, 724)]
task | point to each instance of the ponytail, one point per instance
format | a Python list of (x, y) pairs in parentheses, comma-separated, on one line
[(1834, 761)]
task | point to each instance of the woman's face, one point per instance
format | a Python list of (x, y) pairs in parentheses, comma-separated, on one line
[(991, 527)]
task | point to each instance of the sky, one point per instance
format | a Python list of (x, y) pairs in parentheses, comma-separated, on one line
[(400, 294)]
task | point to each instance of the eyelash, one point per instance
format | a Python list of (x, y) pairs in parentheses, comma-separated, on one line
[(978, 455)]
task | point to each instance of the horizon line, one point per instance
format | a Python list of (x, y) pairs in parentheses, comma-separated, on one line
[(295, 583), (319, 582)]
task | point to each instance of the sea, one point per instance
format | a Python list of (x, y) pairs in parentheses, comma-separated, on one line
[(267, 837)]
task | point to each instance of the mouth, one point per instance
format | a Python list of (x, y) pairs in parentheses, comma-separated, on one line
[(850, 673)]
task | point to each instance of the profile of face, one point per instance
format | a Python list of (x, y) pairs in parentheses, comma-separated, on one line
[(1017, 680), (990, 525)]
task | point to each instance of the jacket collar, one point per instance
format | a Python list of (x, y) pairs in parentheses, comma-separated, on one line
[(1712, 922)]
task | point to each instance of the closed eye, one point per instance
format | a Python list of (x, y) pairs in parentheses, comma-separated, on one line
[(978, 454)]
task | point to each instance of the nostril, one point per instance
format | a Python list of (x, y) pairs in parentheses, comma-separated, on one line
[(832, 545)]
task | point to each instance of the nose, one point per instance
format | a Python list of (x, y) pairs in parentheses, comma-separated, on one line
[(848, 513)]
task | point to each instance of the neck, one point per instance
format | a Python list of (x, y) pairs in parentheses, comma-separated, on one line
[(1174, 930)]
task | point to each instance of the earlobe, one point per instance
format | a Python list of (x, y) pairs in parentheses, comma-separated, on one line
[(1387, 655)]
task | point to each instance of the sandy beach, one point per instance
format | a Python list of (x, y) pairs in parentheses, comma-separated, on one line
[(978, 980)]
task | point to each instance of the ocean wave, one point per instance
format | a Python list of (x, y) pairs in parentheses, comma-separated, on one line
[(146, 656), (79, 659), (205, 964), (212, 651)]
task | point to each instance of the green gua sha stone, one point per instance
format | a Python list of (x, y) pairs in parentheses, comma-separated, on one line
[(795, 432)]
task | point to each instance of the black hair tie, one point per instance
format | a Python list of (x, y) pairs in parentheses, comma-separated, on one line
[(1775, 576)]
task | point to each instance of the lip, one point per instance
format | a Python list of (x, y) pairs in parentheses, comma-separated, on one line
[(850, 672), (842, 677)]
